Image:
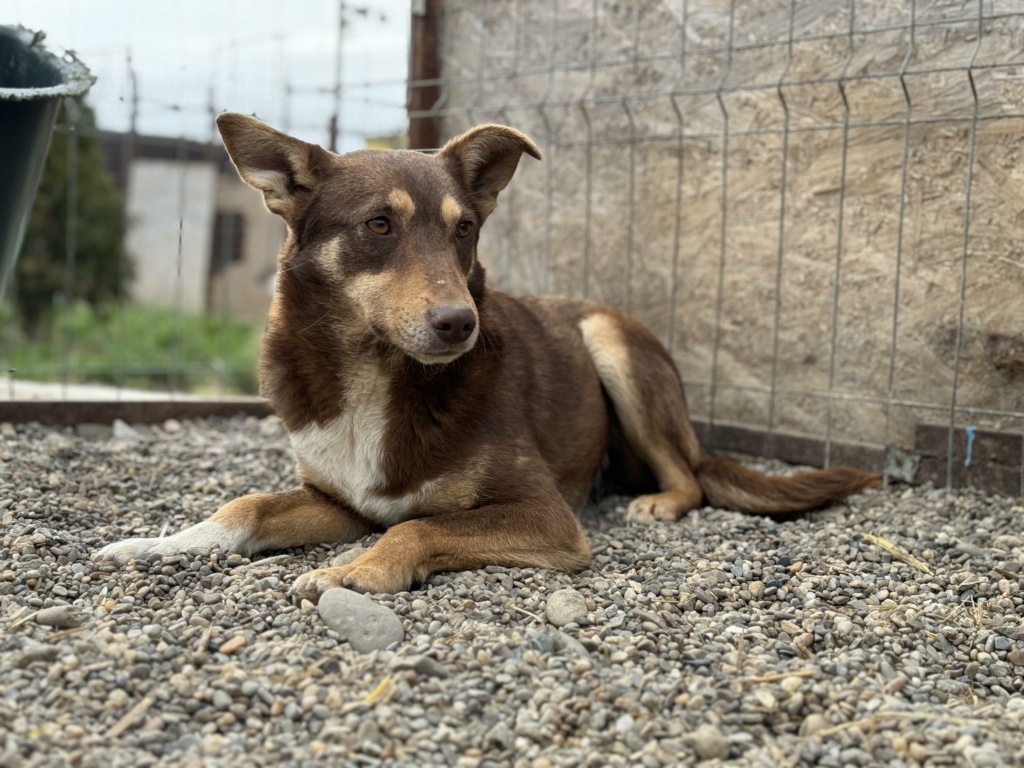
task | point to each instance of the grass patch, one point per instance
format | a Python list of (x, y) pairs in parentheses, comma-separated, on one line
[(139, 347)]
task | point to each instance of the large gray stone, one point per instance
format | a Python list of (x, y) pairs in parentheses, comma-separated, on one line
[(367, 625), (565, 606)]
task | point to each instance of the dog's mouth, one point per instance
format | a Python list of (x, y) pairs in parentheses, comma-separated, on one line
[(437, 338), (437, 356)]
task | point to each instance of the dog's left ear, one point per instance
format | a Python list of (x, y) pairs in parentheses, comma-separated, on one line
[(484, 159)]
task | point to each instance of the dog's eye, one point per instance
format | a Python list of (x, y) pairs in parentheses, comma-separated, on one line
[(379, 225), (465, 228)]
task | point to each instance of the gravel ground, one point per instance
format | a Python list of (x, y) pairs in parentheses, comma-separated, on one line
[(722, 637)]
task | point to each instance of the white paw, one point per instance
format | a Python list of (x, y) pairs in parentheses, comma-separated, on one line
[(207, 535), (134, 549)]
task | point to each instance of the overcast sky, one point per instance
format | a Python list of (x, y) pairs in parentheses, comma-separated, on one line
[(268, 57)]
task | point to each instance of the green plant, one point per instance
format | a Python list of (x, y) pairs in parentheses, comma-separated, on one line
[(143, 347)]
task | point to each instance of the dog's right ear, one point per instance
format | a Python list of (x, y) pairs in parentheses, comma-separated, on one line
[(484, 159), (283, 168)]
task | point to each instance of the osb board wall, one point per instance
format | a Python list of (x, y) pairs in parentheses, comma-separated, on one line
[(624, 211)]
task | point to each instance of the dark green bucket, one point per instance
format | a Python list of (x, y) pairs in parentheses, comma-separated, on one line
[(32, 83)]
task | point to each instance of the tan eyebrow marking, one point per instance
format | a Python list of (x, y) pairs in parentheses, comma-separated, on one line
[(401, 203), (451, 211)]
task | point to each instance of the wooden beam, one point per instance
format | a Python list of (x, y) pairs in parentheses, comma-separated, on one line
[(425, 67)]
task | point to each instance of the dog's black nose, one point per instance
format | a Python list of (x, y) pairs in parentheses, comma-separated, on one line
[(453, 324)]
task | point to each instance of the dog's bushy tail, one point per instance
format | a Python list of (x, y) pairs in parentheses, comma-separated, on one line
[(729, 485)]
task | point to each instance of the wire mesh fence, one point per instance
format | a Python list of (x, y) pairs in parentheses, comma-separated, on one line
[(815, 204)]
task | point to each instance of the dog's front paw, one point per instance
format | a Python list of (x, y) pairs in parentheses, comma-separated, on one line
[(122, 552), (206, 535), (355, 576), (312, 584)]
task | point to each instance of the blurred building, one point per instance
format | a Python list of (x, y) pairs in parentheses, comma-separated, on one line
[(201, 239)]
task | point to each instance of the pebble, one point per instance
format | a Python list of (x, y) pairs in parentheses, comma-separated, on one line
[(565, 606), (567, 644), (423, 665), (709, 743), (368, 625), (62, 616), (33, 652), (94, 431), (348, 556), (124, 431), (813, 723), (232, 644)]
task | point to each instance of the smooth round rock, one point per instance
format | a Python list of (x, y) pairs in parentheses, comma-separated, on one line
[(367, 625), (565, 606)]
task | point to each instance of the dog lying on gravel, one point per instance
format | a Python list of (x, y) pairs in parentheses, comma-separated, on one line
[(467, 423)]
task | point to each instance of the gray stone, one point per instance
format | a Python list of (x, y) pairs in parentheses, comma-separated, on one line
[(91, 431), (423, 665), (33, 652), (570, 645), (348, 556), (813, 723), (367, 625), (62, 616), (124, 431), (500, 736), (565, 606), (709, 743), (984, 757)]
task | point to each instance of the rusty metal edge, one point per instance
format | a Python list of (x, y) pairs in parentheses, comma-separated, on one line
[(69, 412), (791, 448)]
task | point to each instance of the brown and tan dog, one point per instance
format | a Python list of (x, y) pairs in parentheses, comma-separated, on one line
[(468, 423)]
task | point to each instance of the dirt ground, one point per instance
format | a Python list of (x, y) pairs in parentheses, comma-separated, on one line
[(790, 218)]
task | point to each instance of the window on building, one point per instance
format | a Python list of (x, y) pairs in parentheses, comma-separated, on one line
[(228, 239)]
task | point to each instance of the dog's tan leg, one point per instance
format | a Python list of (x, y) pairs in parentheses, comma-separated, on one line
[(540, 533), (645, 389), (253, 523)]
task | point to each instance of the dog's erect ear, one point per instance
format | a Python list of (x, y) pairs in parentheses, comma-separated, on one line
[(485, 158), (283, 168)]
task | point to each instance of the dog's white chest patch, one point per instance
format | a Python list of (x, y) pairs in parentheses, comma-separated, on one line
[(347, 454)]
